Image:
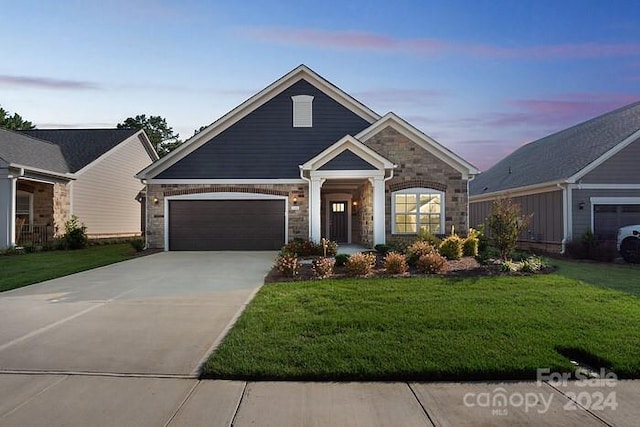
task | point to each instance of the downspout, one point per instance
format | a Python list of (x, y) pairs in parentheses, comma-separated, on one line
[(309, 198), (565, 216), (146, 213), (12, 218)]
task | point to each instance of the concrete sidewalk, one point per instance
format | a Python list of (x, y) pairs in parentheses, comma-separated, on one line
[(70, 400)]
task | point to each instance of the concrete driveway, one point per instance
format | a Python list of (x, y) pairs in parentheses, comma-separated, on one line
[(155, 315)]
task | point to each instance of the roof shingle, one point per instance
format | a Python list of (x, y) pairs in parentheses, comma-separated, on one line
[(560, 155)]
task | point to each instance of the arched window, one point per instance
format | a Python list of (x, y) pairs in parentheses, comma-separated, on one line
[(417, 209)]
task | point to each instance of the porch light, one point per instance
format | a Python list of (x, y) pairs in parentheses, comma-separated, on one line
[(581, 205), (295, 200), (155, 200), (355, 203)]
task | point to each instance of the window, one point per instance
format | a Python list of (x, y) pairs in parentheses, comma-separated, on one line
[(302, 111), (418, 209), (24, 207), (337, 207)]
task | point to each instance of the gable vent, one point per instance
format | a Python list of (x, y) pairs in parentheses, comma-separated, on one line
[(302, 111)]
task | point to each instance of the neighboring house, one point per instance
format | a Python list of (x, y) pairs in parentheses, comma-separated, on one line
[(585, 178), (302, 159), (50, 174)]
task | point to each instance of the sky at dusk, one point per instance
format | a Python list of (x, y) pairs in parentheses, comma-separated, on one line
[(481, 77)]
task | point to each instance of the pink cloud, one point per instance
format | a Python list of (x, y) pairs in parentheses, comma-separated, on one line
[(360, 40)]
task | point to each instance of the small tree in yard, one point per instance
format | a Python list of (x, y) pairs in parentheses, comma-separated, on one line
[(506, 222)]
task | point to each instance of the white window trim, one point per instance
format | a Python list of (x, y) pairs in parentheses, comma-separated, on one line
[(610, 201), (30, 195), (302, 104), (417, 190)]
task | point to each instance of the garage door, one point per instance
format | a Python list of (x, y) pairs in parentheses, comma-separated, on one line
[(215, 225), (608, 218)]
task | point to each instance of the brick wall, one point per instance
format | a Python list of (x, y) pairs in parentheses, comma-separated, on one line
[(298, 220), (419, 168)]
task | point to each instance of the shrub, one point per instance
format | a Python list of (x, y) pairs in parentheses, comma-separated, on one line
[(451, 247), (341, 259), (288, 265), (382, 249), (483, 240), (75, 236), (470, 244), (12, 250), (360, 264), (395, 263), (432, 263), (137, 244), (30, 248), (418, 249), (398, 245), (425, 236), (323, 267), (304, 247), (508, 266), (533, 264), (506, 223)]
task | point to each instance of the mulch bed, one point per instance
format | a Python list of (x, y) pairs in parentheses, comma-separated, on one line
[(465, 267)]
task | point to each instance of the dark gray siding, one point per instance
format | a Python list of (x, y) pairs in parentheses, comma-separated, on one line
[(265, 144), (546, 223), (582, 217), (622, 168), (347, 160)]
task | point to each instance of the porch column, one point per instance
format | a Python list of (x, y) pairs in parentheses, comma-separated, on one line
[(7, 211), (314, 208), (379, 234)]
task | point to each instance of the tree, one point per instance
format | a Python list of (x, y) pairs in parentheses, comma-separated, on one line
[(159, 132), (506, 222), (14, 122)]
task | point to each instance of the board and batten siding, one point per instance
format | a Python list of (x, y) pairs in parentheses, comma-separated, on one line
[(621, 168), (546, 226), (104, 194)]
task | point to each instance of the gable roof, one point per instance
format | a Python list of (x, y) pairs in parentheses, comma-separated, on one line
[(81, 146), (24, 151), (300, 73), (420, 138), (365, 157), (562, 156)]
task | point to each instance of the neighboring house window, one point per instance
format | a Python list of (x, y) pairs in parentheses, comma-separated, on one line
[(417, 209), (302, 111), (24, 207)]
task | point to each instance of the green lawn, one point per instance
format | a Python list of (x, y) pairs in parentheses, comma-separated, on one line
[(622, 277), (22, 270), (429, 329)]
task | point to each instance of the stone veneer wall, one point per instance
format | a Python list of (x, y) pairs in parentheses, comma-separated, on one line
[(419, 168), (61, 207), (365, 214), (298, 220)]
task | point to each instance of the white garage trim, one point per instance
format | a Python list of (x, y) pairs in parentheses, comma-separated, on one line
[(224, 196), (611, 201)]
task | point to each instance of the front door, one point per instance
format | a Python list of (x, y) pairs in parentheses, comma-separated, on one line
[(339, 222)]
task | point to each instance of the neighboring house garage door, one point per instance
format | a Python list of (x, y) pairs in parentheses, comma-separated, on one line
[(608, 218), (214, 225)]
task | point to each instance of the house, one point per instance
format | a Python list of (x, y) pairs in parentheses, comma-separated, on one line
[(303, 159), (585, 178), (47, 175)]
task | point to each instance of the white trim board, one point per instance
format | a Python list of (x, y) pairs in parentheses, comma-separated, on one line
[(301, 72), (518, 192), (422, 140), (227, 181), (610, 201), (606, 156)]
